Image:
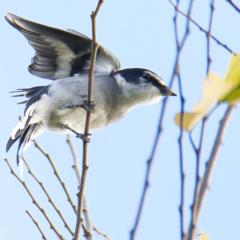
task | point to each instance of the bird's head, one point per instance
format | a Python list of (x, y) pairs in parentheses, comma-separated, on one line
[(142, 85)]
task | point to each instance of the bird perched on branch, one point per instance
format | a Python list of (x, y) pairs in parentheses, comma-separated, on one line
[(60, 107)]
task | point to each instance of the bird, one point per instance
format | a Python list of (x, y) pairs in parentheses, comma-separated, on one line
[(61, 106)]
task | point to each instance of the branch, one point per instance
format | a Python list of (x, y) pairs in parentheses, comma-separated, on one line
[(49, 199), (193, 223), (202, 29), (208, 34), (57, 175), (213, 158), (43, 236), (35, 202), (157, 139), (233, 5), (102, 234), (89, 227), (87, 125), (75, 159), (182, 101)]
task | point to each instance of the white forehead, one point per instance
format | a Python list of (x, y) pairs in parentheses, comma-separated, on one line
[(154, 75)]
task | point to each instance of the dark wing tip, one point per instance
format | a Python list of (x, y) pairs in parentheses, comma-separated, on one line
[(10, 143)]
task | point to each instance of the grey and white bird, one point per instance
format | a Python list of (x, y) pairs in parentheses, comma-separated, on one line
[(60, 107)]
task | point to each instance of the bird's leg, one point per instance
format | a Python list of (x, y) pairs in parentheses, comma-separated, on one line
[(79, 135)]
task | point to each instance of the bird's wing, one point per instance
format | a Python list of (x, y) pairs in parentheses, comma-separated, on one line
[(59, 53)]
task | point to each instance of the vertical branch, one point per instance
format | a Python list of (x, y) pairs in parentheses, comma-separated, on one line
[(87, 125), (208, 35), (193, 223), (182, 101), (159, 130), (213, 158), (89, 226)]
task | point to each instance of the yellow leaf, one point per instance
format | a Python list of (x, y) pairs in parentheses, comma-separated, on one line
[(233, 76), (203, 236), (213, 89)]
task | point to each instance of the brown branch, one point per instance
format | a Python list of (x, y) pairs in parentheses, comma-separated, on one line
[(35, 202), (202, 29), (213, 158), (49, 199), (102, 234), (43, 236), (234, 5), (57, 175), (87, 125)]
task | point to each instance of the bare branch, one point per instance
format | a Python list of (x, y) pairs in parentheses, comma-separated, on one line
[(43, 236), (49, 198), (182, 102), (75, 158), (102, 234), (87, 125), (34, 201), (157, 139), (88, 230), (57, 175), (193, 223), (208, 36), (234, 5), (202, 29), (213, 158)]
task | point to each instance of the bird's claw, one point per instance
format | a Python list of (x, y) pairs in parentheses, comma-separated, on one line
[(89, 106)]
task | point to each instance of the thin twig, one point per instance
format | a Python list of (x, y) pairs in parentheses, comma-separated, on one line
[(202, 29), (88, 230), (234, 5), (34, 201), (182, 101), (208, 34), (57, 175), (213, 158), (87, 125), (49, 198), (75, 159), (158, 134), (102, 234), (43, 236), (193, 222)]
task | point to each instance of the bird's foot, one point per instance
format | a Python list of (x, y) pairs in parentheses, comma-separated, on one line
[(89, 106), (84, 137)]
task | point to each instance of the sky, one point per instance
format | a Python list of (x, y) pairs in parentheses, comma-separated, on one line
[(140, 34)]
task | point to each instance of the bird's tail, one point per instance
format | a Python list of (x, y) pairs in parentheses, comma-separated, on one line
[(24, 132)]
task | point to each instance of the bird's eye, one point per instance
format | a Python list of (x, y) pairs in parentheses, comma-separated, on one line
[(146, 76)]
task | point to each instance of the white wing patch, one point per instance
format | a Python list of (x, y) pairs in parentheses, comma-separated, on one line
[(64, 58)]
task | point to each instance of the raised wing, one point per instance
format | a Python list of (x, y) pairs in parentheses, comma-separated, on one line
[(59, 53)]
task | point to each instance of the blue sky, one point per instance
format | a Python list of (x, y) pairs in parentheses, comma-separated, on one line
[(140, 34)]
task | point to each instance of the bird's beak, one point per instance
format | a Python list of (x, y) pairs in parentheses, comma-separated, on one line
[(170, 93)]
